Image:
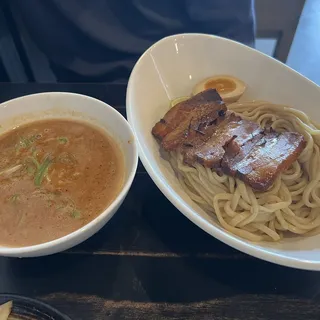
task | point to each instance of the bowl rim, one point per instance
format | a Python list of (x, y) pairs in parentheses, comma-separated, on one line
[(38, 305), (43, 247), (242, 245)]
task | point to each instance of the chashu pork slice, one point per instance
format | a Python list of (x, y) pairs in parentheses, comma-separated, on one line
[(259, 162), (210, 153), (189, 119)]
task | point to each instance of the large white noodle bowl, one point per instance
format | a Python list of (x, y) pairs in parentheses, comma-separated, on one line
[(170, 69)]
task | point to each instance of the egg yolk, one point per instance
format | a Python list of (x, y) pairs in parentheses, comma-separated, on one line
[(221, 85)]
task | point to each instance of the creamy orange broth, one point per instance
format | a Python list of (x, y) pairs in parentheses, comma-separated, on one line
[(55, 177)]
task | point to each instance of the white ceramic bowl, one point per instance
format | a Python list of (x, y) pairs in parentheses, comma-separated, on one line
[(72, 106), (170, 69)]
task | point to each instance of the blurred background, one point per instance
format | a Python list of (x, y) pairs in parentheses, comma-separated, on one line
[(285, 29)]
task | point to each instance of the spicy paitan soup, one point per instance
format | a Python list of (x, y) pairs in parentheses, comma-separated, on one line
[(55, 176)]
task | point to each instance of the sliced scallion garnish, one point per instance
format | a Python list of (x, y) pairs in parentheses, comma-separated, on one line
[(14, 198), (42, 171), (63, 140), (76, 214)]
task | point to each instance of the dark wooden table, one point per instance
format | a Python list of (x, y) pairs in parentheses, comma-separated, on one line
[(150, 262)]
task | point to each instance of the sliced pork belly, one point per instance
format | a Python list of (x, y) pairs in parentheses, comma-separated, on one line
[(268, 157), (233, 128), (188, 118)]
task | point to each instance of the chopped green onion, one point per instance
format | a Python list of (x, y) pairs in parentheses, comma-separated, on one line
[(39, 170), (67, 158), (14, 198), (25, 143), (76, 214), (63, 140), (31, 170), (42, 171), (34, 161)]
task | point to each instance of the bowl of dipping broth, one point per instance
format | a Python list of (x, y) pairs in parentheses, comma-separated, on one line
[(67, 163)]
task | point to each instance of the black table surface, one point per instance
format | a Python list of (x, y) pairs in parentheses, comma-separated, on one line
[(150, 262)]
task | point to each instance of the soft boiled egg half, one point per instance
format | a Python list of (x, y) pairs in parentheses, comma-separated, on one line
[(229, 88)]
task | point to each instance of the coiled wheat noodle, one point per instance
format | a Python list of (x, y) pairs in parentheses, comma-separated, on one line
[(292, 204)]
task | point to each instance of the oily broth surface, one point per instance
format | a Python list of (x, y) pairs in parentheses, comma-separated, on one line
[(84, 172)]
